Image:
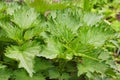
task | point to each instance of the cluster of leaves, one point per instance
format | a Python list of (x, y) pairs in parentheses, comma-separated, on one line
[(69, 43)]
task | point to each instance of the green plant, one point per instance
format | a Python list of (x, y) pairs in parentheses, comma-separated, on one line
[(70, 43)]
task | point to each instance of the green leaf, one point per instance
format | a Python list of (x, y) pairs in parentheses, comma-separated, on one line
[(4, 37), (12, 7), (65, 76), (59, 6), (24, 55), (115, 25), (2, 6), (96, 35), (112, 64), (91, 18), (44, 5), (52, 50), (89, 66), (2, 66), (22, 75), (87, 6), (29, 34), (65, 35), (42, 64), (65, 19), (5, 74), (12, 32), (39, 5), (24, 17), (54, 74)]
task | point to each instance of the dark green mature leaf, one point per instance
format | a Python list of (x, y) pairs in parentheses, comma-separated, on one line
[(24, 54), (42, 64), (5, 74), (54, 74), (89, 66), (3, 36), (65, 76), (22, 75), (2, 66)]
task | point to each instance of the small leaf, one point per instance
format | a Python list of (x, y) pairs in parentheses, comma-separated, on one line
[(115, 25), (54, 74), (104, 55), (2, 66), (42, 64), (91, 18), (29, 34), (65, 76), (39, 5), (52, 50)]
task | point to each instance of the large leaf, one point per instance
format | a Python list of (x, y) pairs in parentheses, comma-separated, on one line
[(90, 66), (66, 18), (24, 55), (5, 74), (42, 64), (22, 75), (24, 17), (96, 35)]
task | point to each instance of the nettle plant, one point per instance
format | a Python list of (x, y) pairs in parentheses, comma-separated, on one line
[(67, 44)]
